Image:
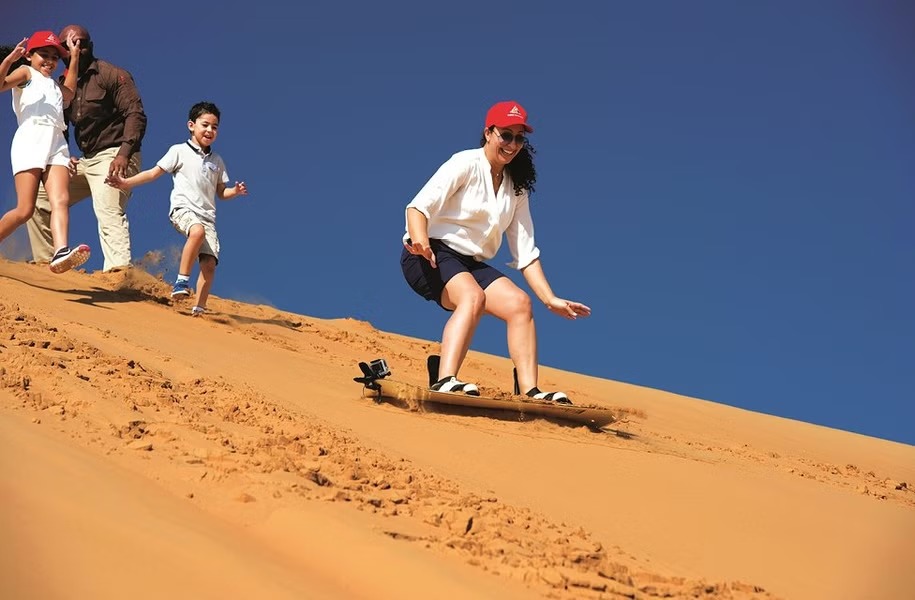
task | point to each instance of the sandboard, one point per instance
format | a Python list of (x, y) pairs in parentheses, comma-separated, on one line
[(376, 382)]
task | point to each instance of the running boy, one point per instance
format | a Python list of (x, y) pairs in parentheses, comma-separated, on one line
[(39, 152), (200, 177)]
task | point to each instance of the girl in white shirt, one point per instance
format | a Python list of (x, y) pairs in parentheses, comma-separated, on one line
[(39, 152), (456, 222)]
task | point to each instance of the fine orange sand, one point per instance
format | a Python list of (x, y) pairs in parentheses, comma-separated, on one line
[(145, 453)]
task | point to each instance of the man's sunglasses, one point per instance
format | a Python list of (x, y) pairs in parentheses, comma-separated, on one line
[(82, 43), (508, 136)]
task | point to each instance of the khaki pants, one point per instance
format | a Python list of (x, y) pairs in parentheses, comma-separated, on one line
[(109, 204)]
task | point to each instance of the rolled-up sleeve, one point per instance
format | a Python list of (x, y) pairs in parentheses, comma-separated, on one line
[(520, 236), (442, 185)]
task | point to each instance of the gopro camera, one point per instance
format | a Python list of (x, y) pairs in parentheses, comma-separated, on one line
[(379, 368)]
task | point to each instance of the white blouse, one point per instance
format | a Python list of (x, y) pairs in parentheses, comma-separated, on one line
[(466, 214)]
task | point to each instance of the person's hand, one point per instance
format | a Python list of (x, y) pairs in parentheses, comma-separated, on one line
[(72, 44), (116, 181), (422, 249), (568, 309), (17, 52), (71, 166), (240, 188), (118, 167)]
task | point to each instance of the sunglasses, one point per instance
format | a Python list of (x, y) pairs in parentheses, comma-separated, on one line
[(508, 136), (82, 42)]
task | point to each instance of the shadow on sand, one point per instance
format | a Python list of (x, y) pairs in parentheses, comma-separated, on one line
[(98, 297), (232, 319)]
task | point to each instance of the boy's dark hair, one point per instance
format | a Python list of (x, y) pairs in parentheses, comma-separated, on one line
[(6, 51), (202, 108)]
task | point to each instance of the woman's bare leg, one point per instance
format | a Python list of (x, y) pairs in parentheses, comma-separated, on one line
[(465, 297), (510, 303)]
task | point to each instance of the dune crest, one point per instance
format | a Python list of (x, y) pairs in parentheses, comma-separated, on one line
[(233, 454)]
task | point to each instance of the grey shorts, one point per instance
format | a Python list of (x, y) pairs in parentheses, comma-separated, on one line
[(430, 283), (183, 219)]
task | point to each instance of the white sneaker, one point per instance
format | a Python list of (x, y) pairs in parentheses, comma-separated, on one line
[(67, 258)]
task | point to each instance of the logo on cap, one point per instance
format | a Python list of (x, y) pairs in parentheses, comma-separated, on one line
[(503, 114), (45, 39)]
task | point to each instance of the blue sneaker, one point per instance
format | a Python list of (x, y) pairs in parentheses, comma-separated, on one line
[(181, 289)]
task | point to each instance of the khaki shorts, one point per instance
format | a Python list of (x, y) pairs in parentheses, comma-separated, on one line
[(183, 219)]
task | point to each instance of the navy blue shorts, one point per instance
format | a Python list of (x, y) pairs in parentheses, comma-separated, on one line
[(430, 283)]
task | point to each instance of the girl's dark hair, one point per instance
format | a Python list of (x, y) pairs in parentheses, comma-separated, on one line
[(202, 108), (521, 168)]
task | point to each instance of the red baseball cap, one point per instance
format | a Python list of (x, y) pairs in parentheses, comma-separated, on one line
[(45, 39), (507, 113)]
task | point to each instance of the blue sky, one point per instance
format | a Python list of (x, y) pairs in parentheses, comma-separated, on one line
[(729, 185)]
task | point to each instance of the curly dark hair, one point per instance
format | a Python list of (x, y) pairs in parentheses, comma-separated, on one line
[(521, 168)]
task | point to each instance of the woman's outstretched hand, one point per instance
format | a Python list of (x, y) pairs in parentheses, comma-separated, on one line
[(423, 250), (568, 309)]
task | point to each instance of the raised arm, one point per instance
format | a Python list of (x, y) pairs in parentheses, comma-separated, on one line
[(68, 86), (10, 80)]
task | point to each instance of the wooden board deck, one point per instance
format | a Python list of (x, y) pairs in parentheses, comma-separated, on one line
[(404, 392)]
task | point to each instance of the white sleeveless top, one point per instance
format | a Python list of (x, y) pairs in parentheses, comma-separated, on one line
[(40, 102)]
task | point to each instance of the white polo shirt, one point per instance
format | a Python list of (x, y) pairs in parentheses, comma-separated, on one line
[(195, 177), (464, 212)]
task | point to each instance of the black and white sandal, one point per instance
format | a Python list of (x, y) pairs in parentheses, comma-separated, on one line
[(558, 397), (453, 384)]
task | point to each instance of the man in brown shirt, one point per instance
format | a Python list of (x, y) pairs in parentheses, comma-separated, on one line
[(108, 126)]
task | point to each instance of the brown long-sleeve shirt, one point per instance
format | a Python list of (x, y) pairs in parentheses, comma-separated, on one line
[(107, 111)]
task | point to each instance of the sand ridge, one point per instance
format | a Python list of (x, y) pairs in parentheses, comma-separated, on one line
[(250, 415)]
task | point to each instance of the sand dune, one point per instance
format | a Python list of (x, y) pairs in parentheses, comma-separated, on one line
[(148, 454)]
